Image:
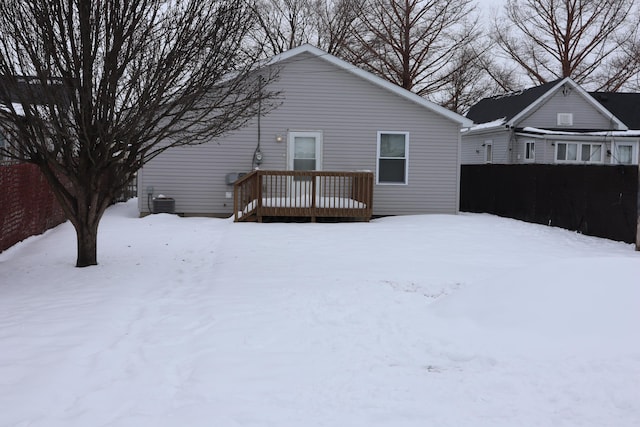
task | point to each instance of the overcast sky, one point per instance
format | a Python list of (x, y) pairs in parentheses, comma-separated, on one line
[(487, 7)]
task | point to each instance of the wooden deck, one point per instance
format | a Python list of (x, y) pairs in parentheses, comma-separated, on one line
[(312, 194)]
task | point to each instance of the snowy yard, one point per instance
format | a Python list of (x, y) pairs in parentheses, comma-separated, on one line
[(461, 321)]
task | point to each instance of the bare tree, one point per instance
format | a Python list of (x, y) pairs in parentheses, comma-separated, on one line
[(338, 22), (412, 42), (285, 24), (467, 81), (117, 82), (590, 41)]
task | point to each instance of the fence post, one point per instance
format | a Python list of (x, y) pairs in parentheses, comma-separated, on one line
[(638, 211)]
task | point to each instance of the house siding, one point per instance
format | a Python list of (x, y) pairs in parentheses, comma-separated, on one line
[(585, 115), (473, 149), (349, 111)]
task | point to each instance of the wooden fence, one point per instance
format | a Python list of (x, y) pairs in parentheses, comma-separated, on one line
[(595, 200)]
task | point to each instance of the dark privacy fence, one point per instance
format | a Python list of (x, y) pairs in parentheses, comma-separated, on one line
[(599, 201)]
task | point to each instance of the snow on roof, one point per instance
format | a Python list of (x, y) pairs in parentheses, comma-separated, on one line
[(489, 125), (517, 105), (620, 133)]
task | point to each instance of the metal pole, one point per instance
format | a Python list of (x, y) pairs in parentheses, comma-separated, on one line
[(638, 211)]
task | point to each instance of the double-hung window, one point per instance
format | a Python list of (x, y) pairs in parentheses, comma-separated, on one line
[(623, 154), (393, 157), (529, 151)]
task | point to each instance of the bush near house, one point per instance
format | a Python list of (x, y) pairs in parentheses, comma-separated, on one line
[(595, 200), (27, 205)]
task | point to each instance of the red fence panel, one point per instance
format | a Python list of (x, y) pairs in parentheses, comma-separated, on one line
[(27, 204)]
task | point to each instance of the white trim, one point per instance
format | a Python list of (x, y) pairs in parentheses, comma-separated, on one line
[(406, 158), (634, 151), (531, 159), (317, 134), (488, 151), (574, 86), (307, 48), (579, 146)]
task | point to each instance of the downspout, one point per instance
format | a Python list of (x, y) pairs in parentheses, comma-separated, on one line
[(638, 212), (257, 154), (459, 171), (512, 143)]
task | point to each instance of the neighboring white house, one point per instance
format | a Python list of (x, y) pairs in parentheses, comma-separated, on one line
[(557, 122), (333, 117)]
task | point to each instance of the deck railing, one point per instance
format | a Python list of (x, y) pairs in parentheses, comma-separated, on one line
[(312, 194)]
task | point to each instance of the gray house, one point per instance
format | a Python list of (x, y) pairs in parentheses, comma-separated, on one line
[(334, 117), (555, 123)]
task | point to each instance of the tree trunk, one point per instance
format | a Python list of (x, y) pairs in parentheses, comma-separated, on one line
[(87, 236)]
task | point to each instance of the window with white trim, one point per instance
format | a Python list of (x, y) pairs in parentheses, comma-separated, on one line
[(578, 152), (591, 153), (623, 154), (529, 151), (488, 151), (393, 157)]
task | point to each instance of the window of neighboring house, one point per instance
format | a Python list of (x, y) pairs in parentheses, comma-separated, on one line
[(591, 153), (529, 151), (488, 151), (565, 119), (574, 152), (393, 157), (623, 154)]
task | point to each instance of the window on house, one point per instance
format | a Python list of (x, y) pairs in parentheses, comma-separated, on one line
[(529, 151), (566, 152), (591, 153), (393, 150), (574, 152), (623, 154), (488, 151), (565, 119)]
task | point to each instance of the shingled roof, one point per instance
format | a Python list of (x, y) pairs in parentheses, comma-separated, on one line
[(29, 90), (508, 105), (623, 105)]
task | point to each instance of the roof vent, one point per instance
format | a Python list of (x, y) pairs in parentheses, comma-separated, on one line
[(565, 119)]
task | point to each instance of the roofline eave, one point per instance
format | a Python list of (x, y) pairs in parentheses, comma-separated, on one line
[(455, 117)]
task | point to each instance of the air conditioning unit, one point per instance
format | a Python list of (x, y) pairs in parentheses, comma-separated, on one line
[(162, 204)]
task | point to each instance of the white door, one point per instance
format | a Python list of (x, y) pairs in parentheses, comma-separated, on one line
[(304, 154)]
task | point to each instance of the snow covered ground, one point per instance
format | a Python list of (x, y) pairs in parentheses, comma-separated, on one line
[(468, 320)]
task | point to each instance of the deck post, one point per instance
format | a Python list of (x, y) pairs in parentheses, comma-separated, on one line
[(235, 202), (313, 198), (259, 198)]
